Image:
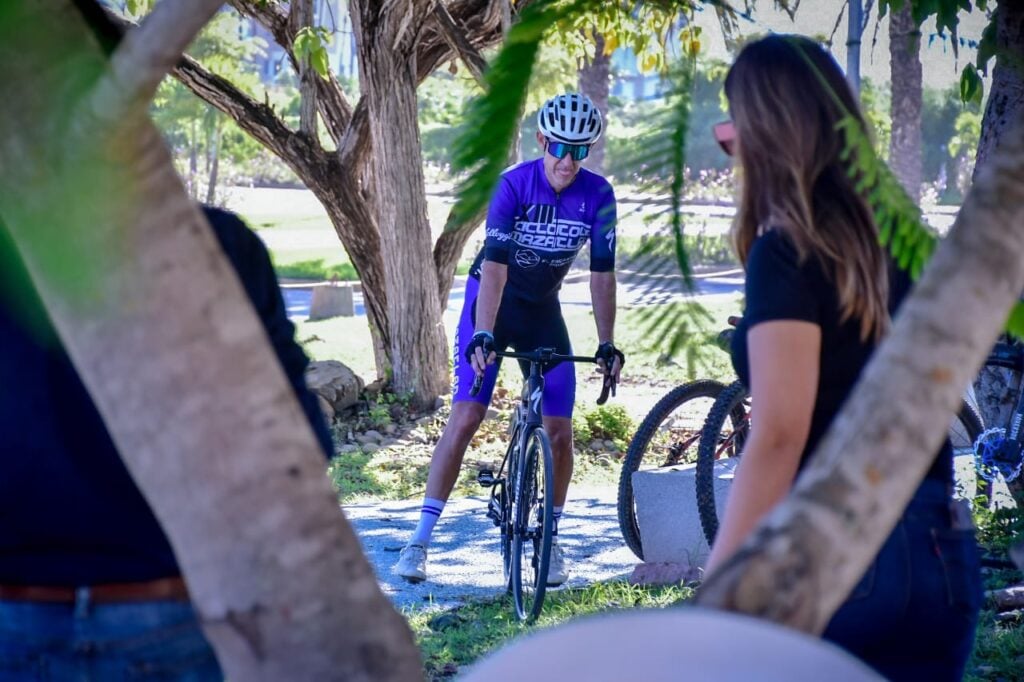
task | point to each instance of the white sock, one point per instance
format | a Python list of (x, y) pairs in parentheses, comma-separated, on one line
[(557, 517), (429, 514)]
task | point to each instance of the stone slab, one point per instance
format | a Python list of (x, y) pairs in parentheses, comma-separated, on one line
[(666, 511)]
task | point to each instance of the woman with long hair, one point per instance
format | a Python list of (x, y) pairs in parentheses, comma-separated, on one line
[(819, 293)]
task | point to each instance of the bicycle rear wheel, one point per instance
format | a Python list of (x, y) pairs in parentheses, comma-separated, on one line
[(667, 436), (531, 539), (723, 435)]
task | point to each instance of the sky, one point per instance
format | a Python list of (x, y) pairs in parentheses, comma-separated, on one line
[(814, 17)]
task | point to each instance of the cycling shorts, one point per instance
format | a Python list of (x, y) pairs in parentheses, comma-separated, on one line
[(524, 326)]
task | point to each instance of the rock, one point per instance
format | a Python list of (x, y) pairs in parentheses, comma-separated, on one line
[(338, 385), (388, 441), (374, 389), (390, 429), (610, 445), (325, 407), (370, 448), (445, 621), (597, 446), (491, 413), (374, 435), (347, 448)]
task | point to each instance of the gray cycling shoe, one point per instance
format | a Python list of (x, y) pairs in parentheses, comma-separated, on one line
[(412, 563), (557, 573)]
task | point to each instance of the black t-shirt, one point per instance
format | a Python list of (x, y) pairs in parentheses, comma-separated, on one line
[(70, 514), (778, 287)]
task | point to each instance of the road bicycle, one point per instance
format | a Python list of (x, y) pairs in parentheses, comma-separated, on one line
[(522, 490), (728, 425)]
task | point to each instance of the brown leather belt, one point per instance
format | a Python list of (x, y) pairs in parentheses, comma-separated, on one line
[(172, 589)]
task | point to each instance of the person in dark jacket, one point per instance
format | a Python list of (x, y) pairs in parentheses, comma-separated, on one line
[(89, 586)]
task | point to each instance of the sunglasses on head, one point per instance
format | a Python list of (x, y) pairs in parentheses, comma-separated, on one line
[(725, 136), (560, 150)]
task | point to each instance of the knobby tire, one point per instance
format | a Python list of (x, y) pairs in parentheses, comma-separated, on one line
[(638, 448), (728, 406)]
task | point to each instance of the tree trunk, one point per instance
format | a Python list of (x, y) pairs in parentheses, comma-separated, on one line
[(905, 142), (1006, 98), (854, 31), (594, 80), (389, 78), (160, 330), (213, 154), (804, 559), (996, 388)]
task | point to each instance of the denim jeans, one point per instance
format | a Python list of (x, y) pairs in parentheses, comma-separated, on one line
[(913, 614), (83, 642)]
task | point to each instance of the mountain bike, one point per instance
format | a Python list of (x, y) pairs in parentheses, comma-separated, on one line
[(668, 436), (999, 451), (727, 428), (522, 490)]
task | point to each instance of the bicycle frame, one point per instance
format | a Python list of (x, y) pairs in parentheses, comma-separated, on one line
[(511, 498)]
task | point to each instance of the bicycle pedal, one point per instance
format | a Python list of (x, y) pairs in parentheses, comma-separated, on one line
[(485, 477)]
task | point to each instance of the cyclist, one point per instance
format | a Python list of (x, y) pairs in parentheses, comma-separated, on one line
[(542, 213)]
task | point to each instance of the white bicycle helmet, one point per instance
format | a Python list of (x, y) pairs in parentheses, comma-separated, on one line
[(571, 118)]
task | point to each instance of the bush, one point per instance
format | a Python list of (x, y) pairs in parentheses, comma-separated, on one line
[(316, 270), (605, 422)]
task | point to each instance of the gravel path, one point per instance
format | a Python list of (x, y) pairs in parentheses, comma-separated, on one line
[(463, 562)]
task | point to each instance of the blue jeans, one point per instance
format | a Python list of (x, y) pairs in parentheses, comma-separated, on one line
[(913, 614), (82, 642)]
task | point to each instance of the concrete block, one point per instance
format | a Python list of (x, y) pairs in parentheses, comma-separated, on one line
[(666, 512), (332, 300), (664, 573)]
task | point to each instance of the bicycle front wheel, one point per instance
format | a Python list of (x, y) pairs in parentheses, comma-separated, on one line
[(723, 436), (667, 436), (531, 538)]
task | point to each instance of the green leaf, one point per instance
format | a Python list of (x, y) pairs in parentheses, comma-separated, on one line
[(1015, 323), (971, 87)]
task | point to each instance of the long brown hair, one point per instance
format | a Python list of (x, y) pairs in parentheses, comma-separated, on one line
[(786, 96)]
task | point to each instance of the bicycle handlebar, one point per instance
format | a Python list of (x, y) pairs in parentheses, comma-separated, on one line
[(547, 355)]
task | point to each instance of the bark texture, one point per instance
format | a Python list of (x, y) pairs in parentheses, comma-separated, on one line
[(905, 110), (160, 330), (807, 555), (996, 388), (387, 67), (595, 82)]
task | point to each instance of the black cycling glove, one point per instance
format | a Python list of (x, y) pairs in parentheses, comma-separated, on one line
[(482, 340), (608, 352)]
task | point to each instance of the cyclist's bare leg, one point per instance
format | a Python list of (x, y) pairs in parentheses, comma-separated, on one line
[(559, 430), (446, 461)]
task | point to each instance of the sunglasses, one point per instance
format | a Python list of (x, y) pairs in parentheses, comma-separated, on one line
[(725, 136), (560, 150)]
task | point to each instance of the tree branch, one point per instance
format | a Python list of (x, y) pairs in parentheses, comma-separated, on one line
[(300, 16), (145, 55), (334, 107), (258, 120), (457, 40)]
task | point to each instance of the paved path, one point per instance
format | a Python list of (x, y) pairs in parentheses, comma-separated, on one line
[(464, 564)]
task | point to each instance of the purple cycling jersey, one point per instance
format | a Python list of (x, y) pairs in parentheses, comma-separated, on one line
[(537, 232)]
